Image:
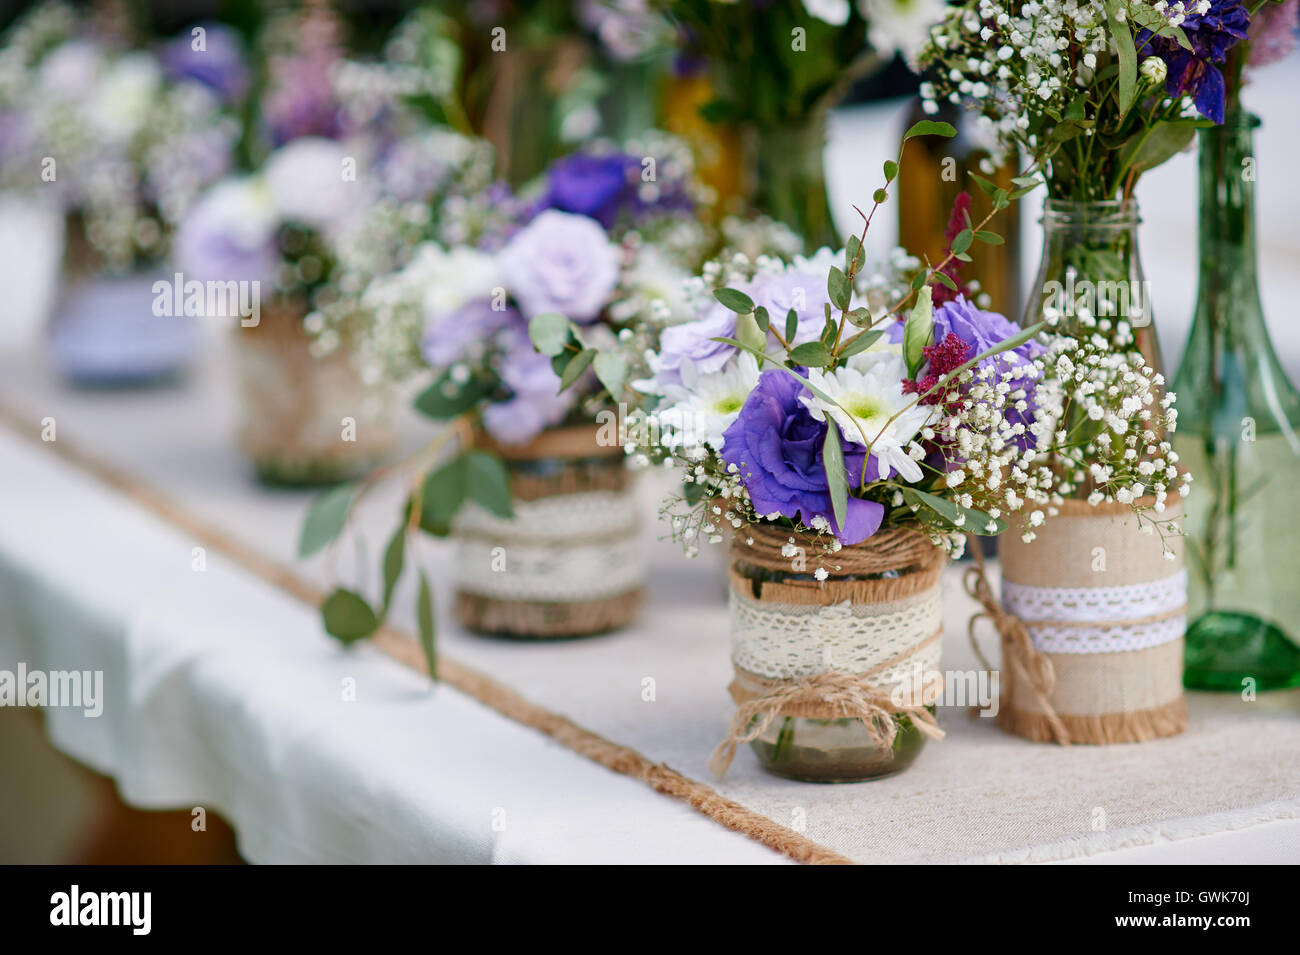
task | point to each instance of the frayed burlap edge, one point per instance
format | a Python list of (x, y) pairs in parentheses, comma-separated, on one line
[(535, 619), (405, 649), (1168, 719)]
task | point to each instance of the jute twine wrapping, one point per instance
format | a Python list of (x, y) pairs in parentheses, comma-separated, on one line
[(580, 464), (830, 694), (293, 404), (1093, 697), (403, 648)]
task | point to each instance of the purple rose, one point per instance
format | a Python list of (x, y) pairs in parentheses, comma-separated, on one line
[(219, 66), (776, 445), (448, 339), (536, 402), (561, 263)]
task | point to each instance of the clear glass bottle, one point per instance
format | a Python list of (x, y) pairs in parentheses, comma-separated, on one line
[(1090, 276), (787, 180), (1239, 434)]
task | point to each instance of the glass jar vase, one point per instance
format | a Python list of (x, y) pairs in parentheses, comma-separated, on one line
[(836, 680)]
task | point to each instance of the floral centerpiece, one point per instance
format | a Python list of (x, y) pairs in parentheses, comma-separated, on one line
[(121, 145), (539, 505), (1097, 93), (842, 435)]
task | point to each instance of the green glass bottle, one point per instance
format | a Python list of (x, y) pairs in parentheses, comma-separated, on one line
[(1239, 434)]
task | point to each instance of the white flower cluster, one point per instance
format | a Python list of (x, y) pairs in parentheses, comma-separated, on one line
[(1112, 441)]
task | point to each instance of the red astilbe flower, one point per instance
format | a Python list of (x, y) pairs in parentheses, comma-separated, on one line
[(956, 223), (943, 358)]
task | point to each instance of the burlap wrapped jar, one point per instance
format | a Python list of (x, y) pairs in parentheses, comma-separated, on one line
[(306, 420), (1092, 632), (835, 679), (570, 562)]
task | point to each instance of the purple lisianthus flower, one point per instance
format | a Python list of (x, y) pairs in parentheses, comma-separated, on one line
[(776, 445), (536, 402), (805, 292), (1193, 72), (217, 62), (561, 263), (693, 342), (228, 235), (599, 187)]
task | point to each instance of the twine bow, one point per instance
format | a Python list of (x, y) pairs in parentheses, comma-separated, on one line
[(1018, 650), (846, 693)]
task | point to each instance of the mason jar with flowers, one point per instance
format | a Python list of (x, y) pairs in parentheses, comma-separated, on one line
[(540, 509), (841, 436)]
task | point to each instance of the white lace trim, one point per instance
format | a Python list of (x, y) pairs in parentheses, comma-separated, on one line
[(570, 547), (787, 641), (1112, 638), (1096, 604)]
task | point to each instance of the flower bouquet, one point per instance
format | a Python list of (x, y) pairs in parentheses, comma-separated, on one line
[(121, 143), (842, 435), (536, 497), (1096, 93)]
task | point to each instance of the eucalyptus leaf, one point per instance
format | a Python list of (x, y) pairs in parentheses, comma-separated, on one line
[(549, 332), (348, 617), (611, 369), (488, 482), (791, 325), (445, 398), (394, 559), (811, 355), (860, 343), (929, 127), (839, 288), (735, 300), (326, 518), (576, 366), (426, 622)]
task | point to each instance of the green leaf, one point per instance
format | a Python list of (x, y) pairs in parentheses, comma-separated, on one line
[(791, 325), (839, 288), (611, 369), (879, 196), (394, 559), (987, 186), (918, 331), (574, 369), (976, 522), (1127, 54), (989, 238), (735, 300), (443, 493), (853, 257), (961, 242), (929, 127), (944, 278), (861, 317), (693, 493), (348, 617), (861, 342), (1164, 142), (326, 518), (837, 482), (425, 619), (891, 170), (762, 319), (446, 399), (549, 332), (488, 482), (811, 354)]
